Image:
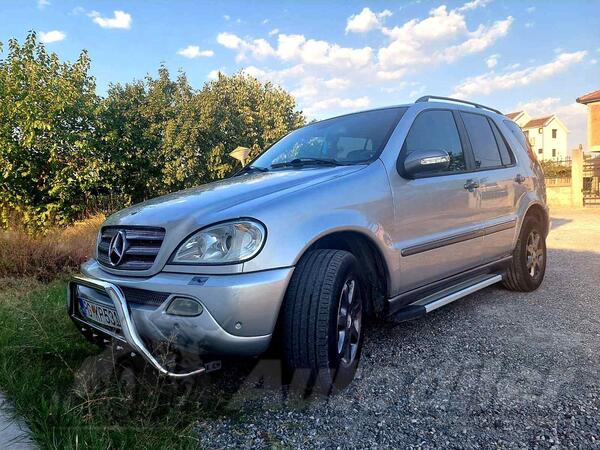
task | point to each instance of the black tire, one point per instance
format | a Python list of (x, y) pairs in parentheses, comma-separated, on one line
[(312, 313), (520, 276)]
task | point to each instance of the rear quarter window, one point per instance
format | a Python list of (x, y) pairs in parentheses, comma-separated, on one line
[(521, 138)]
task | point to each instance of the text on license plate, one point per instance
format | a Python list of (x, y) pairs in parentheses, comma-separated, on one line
[(100, 314)]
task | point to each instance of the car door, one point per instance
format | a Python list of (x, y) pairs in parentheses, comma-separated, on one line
[(435, 231), (499, 188)]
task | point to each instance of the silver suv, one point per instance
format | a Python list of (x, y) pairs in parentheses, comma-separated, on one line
[(388, 213)]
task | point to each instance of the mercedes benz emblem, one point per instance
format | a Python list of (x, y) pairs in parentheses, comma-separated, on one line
[(117, 248)]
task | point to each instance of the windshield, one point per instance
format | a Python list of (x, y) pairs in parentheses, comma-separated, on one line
[(355, 138)]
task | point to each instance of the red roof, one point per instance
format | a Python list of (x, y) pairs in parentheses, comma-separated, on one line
[(537, 123), (514, 115), (589, 98)]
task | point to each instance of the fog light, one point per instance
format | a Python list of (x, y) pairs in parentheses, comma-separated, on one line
[(181, 306)]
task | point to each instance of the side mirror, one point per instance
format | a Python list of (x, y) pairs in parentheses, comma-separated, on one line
[(422, 161)]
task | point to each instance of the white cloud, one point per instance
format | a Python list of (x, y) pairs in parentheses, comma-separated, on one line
[(529, 24), (474, 5), (326, 76), (490, 82), (539, 106), (226, 17), (391, 74), (120, 19), (478, 41), (265, 21), (296, 47), (43, 3), (412, 95), (48, 37), (214, 74), (193, 51), (337, 103), (337, 83), (258, 48), (492, 61), (531, 9), (402, 85), (317, 52), (441, 37), (366, 20)]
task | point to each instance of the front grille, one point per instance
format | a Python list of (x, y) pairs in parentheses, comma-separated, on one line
[(144, 297), (142, 246)]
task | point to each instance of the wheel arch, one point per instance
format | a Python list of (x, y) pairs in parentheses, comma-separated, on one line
[(541, 213), (370, 258)]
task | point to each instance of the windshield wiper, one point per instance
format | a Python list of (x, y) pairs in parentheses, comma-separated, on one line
[(299, 162), (248, 169)]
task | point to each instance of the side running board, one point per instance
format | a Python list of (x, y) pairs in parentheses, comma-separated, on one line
[(444, 297)]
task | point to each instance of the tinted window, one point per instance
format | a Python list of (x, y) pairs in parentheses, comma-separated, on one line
[(505, 153), (352, 148), (353, 138), (436, 130), (518, 133), (482, 140)]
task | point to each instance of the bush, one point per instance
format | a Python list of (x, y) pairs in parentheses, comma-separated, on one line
[(556, 169), (48, 255)]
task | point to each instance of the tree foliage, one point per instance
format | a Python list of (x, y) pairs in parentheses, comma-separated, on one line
[(63, 148), (47, 125)]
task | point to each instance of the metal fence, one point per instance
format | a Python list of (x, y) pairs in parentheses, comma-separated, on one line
[(557, 171), (591, 181)]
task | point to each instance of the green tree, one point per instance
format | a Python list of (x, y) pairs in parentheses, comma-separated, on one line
[(134, 118), (47, 122), (231, 111), (63, 149)]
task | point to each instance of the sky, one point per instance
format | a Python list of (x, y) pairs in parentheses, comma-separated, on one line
[(340, 56)]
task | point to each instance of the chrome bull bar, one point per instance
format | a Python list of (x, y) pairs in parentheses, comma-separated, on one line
[(130, 334)]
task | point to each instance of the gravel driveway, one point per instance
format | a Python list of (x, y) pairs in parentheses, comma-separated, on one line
[(496, 368)]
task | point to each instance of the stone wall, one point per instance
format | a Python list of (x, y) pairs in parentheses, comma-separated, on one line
[(568, 192), (559, 195)]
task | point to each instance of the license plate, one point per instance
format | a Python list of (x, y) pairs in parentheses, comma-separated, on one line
[(99, 314)]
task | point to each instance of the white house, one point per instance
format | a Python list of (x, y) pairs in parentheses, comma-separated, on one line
[(547, 135)]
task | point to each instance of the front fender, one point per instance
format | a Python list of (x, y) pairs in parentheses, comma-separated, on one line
[(360, 202)]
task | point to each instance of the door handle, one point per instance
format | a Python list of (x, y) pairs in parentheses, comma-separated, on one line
[(520, 178), (471, 184)]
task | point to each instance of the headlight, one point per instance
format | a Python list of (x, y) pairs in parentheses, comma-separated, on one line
[(230, 242)]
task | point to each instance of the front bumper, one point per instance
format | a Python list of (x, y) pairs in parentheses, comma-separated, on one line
[(239, 311)]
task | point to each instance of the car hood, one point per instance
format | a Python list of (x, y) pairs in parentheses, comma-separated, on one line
[(202, 203)]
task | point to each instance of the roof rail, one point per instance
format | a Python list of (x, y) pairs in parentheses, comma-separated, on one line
[(426, 98)]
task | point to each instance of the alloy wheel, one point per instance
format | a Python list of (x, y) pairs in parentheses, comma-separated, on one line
[(349, 322), (535, 253)]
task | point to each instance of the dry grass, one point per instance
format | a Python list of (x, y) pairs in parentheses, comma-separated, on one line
[(47, 255)]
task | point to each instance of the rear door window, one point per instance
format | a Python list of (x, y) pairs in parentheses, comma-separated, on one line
[(483, 142)]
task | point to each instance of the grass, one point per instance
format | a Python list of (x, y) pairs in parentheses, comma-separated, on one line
[(46, 255), (75, 395)]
